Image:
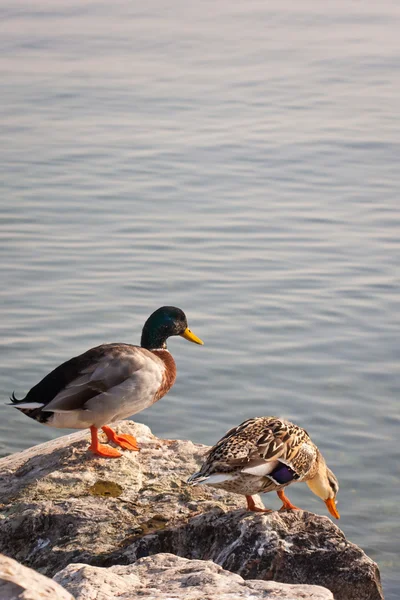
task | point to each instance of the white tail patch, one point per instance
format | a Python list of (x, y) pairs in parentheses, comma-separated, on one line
[(261, 470), (28, 405), (216, 478)]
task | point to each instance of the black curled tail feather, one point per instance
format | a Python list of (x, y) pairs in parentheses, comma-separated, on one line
[(14, 399)]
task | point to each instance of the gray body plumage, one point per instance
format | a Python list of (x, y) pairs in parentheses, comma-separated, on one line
[(103, 385)]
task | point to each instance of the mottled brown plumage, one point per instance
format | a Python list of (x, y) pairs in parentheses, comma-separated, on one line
[(267, 454)]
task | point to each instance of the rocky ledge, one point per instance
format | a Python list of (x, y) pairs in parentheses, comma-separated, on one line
[(100, 521)]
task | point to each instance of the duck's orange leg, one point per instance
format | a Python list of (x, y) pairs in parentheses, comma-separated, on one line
[(123, 440), (287, 505), (100, 449), (252, 506)]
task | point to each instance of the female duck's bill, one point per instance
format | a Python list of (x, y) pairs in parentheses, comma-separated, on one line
[(110, 382)]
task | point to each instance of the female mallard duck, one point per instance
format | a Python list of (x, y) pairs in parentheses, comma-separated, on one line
[(267, 454), (109, 383)]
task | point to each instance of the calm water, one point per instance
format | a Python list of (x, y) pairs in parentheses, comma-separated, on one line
[(241, 161)]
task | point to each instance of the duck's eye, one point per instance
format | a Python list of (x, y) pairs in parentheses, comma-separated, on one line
[(334, 487)]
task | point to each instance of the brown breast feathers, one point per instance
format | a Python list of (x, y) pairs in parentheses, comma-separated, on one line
[(169, 373)]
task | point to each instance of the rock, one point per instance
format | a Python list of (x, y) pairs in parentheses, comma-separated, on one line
[(290, 547), (168, 576), (62, 504), (20, 583)]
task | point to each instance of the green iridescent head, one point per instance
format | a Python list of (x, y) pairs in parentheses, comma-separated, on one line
[(162, 324)]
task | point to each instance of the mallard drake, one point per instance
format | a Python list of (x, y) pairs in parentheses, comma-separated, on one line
[(267, 454), (109, 383)]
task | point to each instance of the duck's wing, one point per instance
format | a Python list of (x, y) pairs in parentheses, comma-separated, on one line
[(109, 371), (286, 451), (254, 439), (261, 446)]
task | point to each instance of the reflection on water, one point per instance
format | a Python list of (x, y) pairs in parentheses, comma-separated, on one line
[(239, 161)]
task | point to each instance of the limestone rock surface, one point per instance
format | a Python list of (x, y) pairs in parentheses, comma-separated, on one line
[(168, 576), (21, 583), (291, 547), (60, 504)]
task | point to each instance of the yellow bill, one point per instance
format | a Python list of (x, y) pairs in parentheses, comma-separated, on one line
[(331, 506), (189, 335)]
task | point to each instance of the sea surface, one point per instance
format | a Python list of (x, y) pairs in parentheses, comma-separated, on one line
[(240, 160)]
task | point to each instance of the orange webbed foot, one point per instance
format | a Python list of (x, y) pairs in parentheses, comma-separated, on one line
[(251, 505), (105, 451), (287, 505), (101, 449), (123, 440)]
